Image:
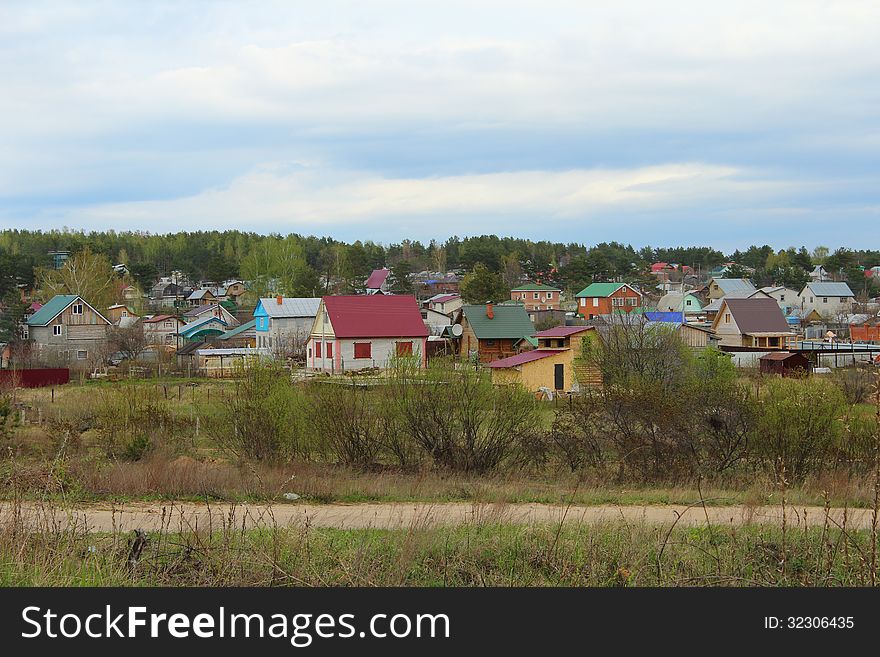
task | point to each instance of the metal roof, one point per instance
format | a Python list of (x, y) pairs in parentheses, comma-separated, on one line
[(757, 315), (562, 331), (51, 309), (830, 289), (55, 306), (509, 321), (193, 327), (732, 286), (600, 289), (377, 278), (535, 287), (375, 316), (238, 330), (290, 306), (525, 357)]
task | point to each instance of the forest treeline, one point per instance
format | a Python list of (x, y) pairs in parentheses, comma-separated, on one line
[(312, 264)]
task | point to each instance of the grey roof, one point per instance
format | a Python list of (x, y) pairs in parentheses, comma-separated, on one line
[(291, 306), (732, 286), (830, 289)]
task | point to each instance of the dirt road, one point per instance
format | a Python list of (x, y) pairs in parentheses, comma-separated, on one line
[(176, 516)]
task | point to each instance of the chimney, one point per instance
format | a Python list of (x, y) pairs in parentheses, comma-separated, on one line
[(279, 299), (490, 313)]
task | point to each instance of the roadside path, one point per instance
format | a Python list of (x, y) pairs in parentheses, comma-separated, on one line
[(174, 516)]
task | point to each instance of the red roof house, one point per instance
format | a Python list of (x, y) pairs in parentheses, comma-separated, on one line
[(378, 281), (358, 332)]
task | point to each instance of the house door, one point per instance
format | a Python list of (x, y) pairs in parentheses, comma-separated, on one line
[(559, 376)]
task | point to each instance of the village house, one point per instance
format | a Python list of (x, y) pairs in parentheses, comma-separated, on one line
[(550, 366), (162, 330), (730, 287), (537, 296), (681, 303), (445, 303), (366, 331), (243, 335), (828, 299), (436, 321), (377, 283), (819, 275), (755, 322), (283, 324), (234, 290), (200, 297), (605, 298), (207, 326), (117, 312), (199, 313), (788, 299), (67, 329), (166, 292), (491, 331)]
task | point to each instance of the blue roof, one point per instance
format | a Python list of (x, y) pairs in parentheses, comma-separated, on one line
[(52, 309), (672, 317)]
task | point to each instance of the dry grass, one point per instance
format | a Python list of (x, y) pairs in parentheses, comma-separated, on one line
[(36, 551)]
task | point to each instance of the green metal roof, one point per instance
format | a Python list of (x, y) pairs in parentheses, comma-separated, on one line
[(239, 329), (51, 310), (510, 321), (535, 287), (600, 289)]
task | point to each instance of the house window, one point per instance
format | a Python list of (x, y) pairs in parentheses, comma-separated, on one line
[(549, 295), (631, 301), (595, 302), (363, 350), (82, 354), (617, 301), (404, 348), (687, 302), (727, 318), (124, 313), (824, 299), (490, 343), (782, 297), (811, 299), (76, 309), (537, 295), (329, 349), (583, 302), (318, 349), (56, 329), (169, 325), (774, 342)]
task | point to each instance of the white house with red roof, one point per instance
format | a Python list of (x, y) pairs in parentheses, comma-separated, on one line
[(359, 332), (161, 330)]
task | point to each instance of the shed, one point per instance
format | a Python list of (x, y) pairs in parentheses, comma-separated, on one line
[(786, 363)]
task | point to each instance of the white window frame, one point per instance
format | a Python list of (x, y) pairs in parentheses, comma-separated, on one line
[(76, 309), (82, 354), (57, 329)]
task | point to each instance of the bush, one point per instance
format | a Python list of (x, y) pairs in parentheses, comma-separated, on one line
[(458, 417), (264, 418), (799, 425), (856, 383)]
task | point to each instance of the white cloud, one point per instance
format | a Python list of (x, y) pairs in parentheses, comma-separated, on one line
[(313, 200)]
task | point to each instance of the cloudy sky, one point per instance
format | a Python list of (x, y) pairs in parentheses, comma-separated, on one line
[(647, 122)]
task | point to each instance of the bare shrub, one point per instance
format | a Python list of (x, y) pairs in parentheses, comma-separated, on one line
[(462, 421), (856, 383), (347, 421), (264, 417)]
